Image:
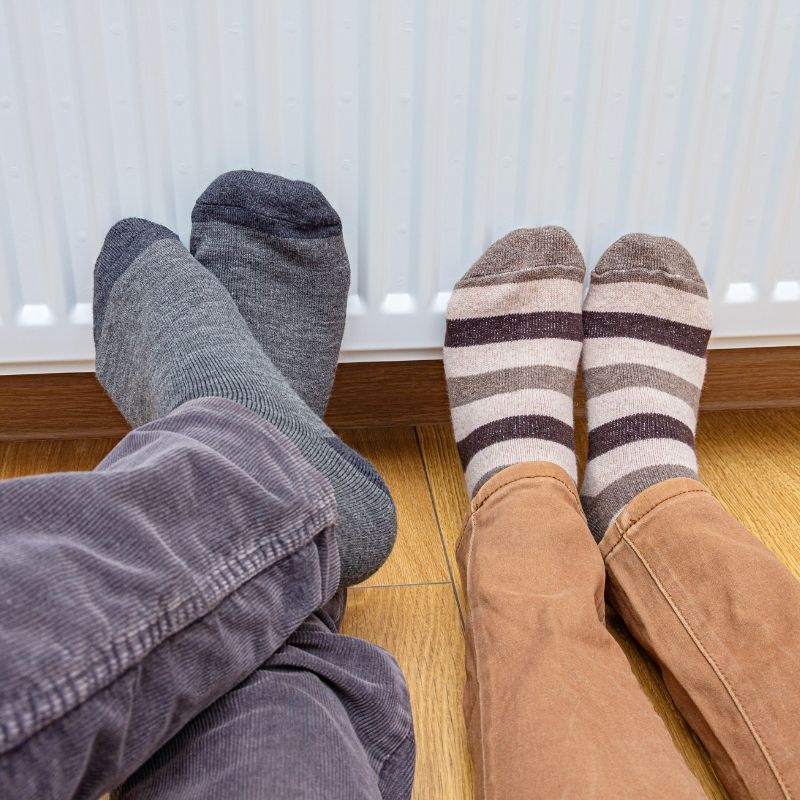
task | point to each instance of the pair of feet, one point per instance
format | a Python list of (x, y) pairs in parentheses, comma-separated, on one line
[(255, 314), (517, 327)]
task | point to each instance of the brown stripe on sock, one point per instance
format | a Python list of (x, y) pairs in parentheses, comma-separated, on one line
[(522, 274), (537, 376), (600, 510), (600, 380), (532, 426), (635, 428), (678, 335), (643, 275), (513, 327)]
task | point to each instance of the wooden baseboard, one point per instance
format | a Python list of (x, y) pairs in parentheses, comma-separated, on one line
[(74, 405)]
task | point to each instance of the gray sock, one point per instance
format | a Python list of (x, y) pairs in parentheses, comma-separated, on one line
[(276, 245), (166, 331)]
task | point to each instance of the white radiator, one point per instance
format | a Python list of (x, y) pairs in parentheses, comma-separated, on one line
[(433, 126)]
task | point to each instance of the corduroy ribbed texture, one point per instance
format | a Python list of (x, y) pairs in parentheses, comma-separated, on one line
[(646, 324), (326, 716), (511, 353)]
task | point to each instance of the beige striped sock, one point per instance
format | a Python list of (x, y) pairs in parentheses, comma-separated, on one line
[(511, 353), (646, 324)]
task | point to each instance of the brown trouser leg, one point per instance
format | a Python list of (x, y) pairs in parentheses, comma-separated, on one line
[(552, 707), (721, 615)]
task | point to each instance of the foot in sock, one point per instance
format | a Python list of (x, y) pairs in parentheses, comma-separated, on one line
[(511, 353), (166, 331), (277, 247), (646, 324)]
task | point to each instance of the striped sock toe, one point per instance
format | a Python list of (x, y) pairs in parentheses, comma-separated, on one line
[(646, 325), (511, 353)]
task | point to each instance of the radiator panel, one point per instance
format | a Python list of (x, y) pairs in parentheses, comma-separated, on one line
[(434, 128)]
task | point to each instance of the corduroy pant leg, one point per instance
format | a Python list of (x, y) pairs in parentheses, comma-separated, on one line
[(135, 596)]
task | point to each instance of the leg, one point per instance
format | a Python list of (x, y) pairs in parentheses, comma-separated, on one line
[(718, 612), (156, 306), (134, 596), (721, 615), (167, 331), (326, 716), (552, 707)]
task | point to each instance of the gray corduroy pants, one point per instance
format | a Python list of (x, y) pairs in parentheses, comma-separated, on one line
[(161, 631)]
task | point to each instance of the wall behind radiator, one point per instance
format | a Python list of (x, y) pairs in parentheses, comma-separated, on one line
[(433, 126)]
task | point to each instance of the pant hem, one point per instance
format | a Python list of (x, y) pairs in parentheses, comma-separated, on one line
[(528, 470)]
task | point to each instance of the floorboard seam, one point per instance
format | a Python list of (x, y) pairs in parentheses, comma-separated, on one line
[(439, 525), (399, 585)]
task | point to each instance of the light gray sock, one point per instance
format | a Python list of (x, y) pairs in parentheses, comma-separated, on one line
[(276, 245), (166, 331)]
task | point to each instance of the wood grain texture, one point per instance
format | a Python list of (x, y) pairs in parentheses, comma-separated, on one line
[(446, 481), (752, 377), (388, 393), (73, 405), (420, 625), (66, 405), (751, 462), (36, 456), (418, 556)]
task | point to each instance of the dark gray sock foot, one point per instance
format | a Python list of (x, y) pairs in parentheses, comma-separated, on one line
[(167, 331), (277, 247)]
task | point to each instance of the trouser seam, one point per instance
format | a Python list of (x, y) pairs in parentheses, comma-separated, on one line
[(509, 481), (387, 760), (723, 679), (23, 718), (622, 530), (472, 521)]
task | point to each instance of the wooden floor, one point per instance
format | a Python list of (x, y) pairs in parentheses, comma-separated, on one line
[(413, 606)]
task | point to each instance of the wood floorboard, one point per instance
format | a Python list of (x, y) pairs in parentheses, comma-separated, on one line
[(418, 556), (751, 462), (446, 481), (37, 456)]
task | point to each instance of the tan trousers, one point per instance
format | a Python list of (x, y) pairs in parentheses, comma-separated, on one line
[(552, 707)]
